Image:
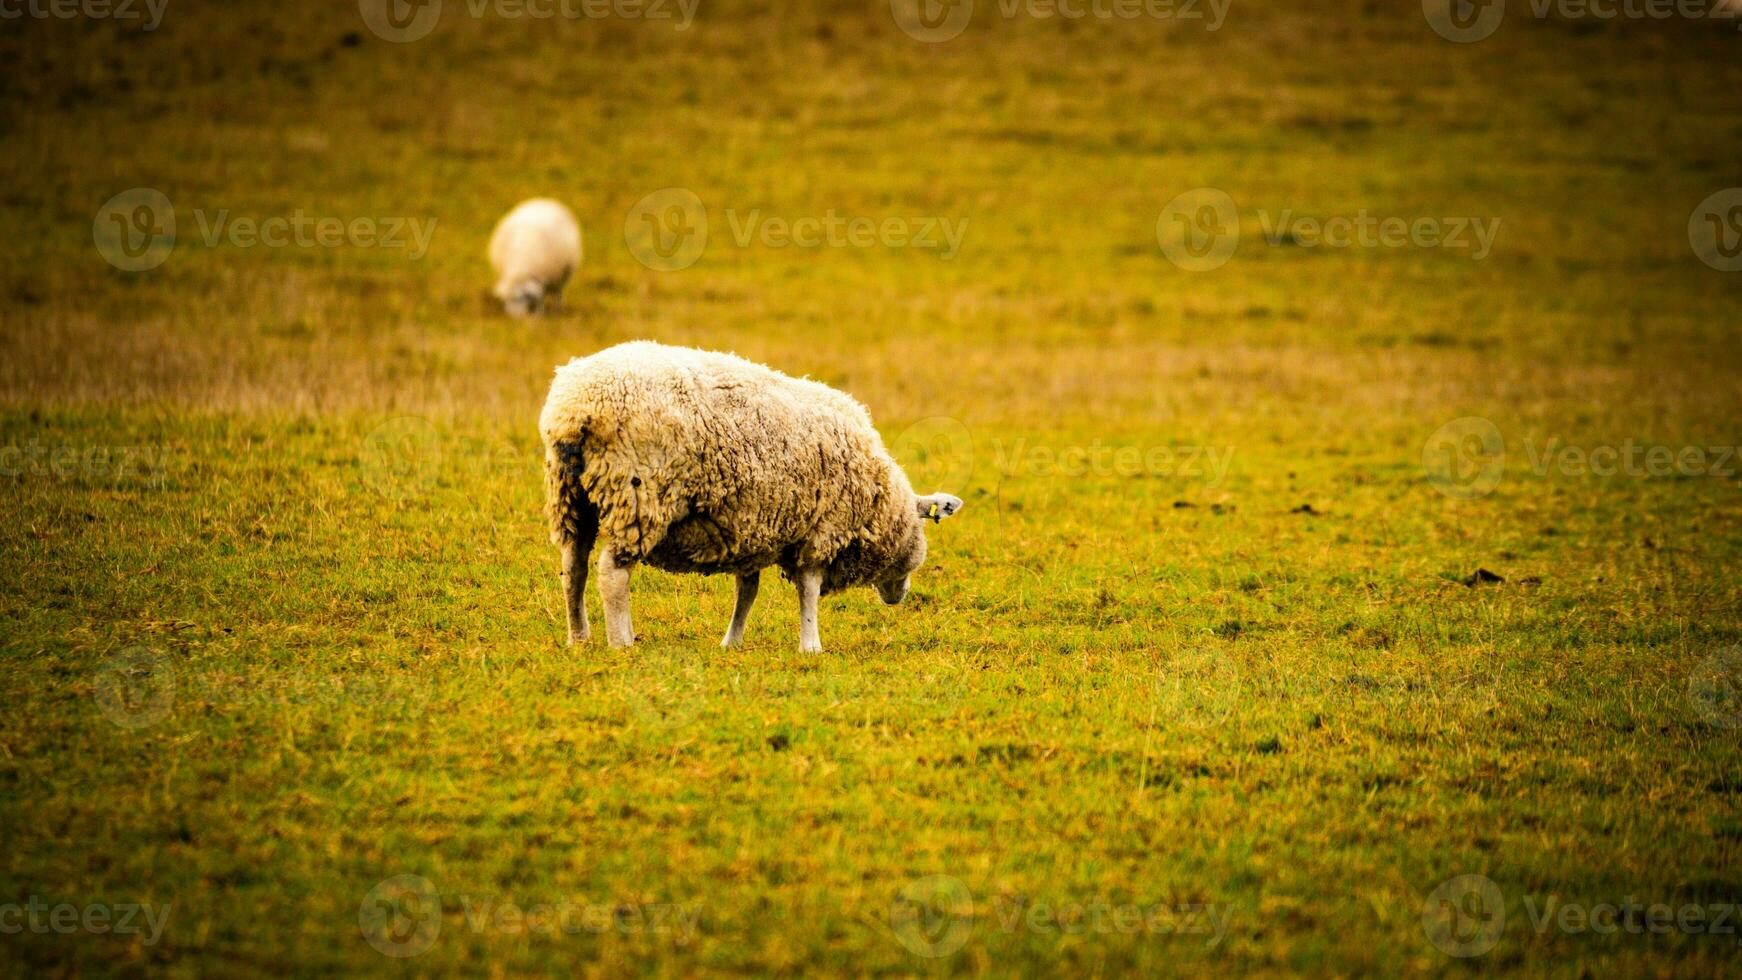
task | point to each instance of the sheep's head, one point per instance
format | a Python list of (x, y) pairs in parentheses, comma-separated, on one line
[(524, 298), (931, 507)]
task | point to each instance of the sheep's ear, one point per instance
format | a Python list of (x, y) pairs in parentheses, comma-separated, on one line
[(937, 506)]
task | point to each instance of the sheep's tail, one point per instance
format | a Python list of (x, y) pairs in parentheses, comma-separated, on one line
[(573, 517)]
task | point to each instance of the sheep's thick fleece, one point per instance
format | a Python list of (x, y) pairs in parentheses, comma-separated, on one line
[(705, 462)]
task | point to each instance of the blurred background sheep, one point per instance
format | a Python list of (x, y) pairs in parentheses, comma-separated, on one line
[(535, 249)]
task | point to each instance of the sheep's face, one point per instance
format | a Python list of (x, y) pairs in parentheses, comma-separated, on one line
[(931, 507), (526, 299)]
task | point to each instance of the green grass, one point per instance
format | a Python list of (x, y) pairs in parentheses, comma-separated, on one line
[(1154, 684)]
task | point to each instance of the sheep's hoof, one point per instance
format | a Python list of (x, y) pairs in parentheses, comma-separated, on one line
[(576, 639), (810, 648)]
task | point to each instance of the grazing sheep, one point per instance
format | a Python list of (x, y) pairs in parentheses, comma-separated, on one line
[(535, 249), (693, 461)]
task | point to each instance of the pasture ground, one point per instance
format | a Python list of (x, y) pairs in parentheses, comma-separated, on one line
[(1194, 683)]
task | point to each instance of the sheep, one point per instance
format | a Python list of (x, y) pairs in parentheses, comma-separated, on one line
[(695, 461), (535, 249)]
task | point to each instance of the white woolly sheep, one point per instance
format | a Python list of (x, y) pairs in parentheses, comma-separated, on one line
[(694, 461), (535, 249)]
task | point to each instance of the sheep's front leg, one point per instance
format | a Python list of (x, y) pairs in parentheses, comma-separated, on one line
[(614, 589), (810, 585), (575, 591), (747, 586)]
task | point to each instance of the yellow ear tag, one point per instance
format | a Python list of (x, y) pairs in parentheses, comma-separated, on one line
[(934, 512)]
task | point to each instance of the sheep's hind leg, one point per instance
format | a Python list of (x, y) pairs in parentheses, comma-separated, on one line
[(614, 589), (810, 585), (575, 590), (747, 586)]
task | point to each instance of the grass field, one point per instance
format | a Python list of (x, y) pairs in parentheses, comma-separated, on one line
[(1204, 678)]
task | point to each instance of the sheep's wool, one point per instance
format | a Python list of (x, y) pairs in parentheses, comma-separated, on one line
[(697, 461)]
